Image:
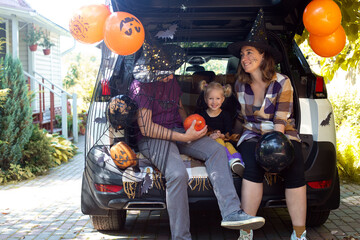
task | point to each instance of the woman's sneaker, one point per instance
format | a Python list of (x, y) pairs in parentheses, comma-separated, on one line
[(240, 220), (245, 235), (302, 237)]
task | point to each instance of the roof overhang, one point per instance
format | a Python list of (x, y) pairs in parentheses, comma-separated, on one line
[(33, 17)]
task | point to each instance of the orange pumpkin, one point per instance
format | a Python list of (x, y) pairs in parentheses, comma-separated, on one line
[(200, 122), (123, 155)]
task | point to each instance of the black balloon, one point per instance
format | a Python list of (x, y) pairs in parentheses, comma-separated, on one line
[(121, 111), (274, 152)]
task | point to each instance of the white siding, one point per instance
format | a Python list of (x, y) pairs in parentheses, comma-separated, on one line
[(23, 47), (49, 66)]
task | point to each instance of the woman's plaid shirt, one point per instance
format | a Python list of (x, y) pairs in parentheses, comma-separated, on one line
[(277, 108)]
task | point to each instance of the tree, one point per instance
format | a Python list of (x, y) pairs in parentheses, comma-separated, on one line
[(81, 76), (348, 59), (16, 114)]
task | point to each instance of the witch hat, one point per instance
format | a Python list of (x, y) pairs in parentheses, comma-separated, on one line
[(257, 38), (158, 61)]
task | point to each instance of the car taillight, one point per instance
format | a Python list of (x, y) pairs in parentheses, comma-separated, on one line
[(320, 88), (108, 188), (320, 184), (105, 87)]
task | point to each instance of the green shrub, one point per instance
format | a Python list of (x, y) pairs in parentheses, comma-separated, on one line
[(37, 159), (348, 151), (42, 152), (346, 105), (63, 148), (15, 115), (38, 152), (58, 124), (15, 173)]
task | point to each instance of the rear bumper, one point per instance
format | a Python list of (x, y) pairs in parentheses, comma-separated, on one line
[(323, 167), (319, 166)]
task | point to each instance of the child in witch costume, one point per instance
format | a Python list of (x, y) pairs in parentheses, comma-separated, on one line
[(219, 121), (266, 100), (162, 139)]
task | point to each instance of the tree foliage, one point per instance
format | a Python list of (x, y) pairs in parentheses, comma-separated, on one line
[(16, 114), (82, 70), (348, 58)]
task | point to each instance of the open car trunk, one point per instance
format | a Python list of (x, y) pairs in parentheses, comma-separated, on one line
[(227, 20)]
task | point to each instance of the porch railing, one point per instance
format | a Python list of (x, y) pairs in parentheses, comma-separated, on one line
[(55, 91)]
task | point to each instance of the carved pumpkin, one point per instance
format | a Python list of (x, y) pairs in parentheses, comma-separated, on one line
[(123, 155), (200, 122)]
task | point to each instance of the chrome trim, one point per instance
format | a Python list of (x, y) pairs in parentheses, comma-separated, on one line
[(145, 206)]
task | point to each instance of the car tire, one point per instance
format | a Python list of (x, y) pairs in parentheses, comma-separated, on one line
[(115, 220), (315, 218)]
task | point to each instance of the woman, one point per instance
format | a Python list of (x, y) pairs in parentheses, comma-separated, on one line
[(266, 100), (162, 139)]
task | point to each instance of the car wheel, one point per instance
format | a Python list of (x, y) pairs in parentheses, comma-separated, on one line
[(115, 220), (315, 217)]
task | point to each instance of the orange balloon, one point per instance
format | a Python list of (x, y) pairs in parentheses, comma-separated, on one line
[(87, 23), (328, 46), (322, 17), (124, 33)]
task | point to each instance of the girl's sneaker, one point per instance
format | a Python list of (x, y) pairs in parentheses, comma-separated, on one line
[(246, 236), (237, 166), (236, 163)]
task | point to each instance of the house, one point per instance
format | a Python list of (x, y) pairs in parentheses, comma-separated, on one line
[(43, 71)]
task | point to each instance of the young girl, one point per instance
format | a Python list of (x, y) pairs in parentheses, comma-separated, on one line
[(219, 122)]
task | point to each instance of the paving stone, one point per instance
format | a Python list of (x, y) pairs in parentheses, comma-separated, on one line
[(52, 212)]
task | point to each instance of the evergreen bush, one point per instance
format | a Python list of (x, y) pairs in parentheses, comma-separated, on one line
[(16, 115)]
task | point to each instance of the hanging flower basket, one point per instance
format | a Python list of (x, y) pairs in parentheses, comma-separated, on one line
[(32, 38), (46, 51), (33, 48), (46, 43)]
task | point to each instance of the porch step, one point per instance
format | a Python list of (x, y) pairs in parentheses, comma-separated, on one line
[(57, 130), (45, 123)]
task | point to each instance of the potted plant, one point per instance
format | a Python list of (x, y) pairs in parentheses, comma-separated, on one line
[(32, 38), (46, 44), (82, 121)]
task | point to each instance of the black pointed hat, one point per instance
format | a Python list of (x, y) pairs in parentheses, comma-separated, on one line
[(158, 61), (257, 37)]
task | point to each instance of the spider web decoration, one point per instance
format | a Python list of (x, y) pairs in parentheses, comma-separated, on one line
[(102, 135), (115, 78)]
